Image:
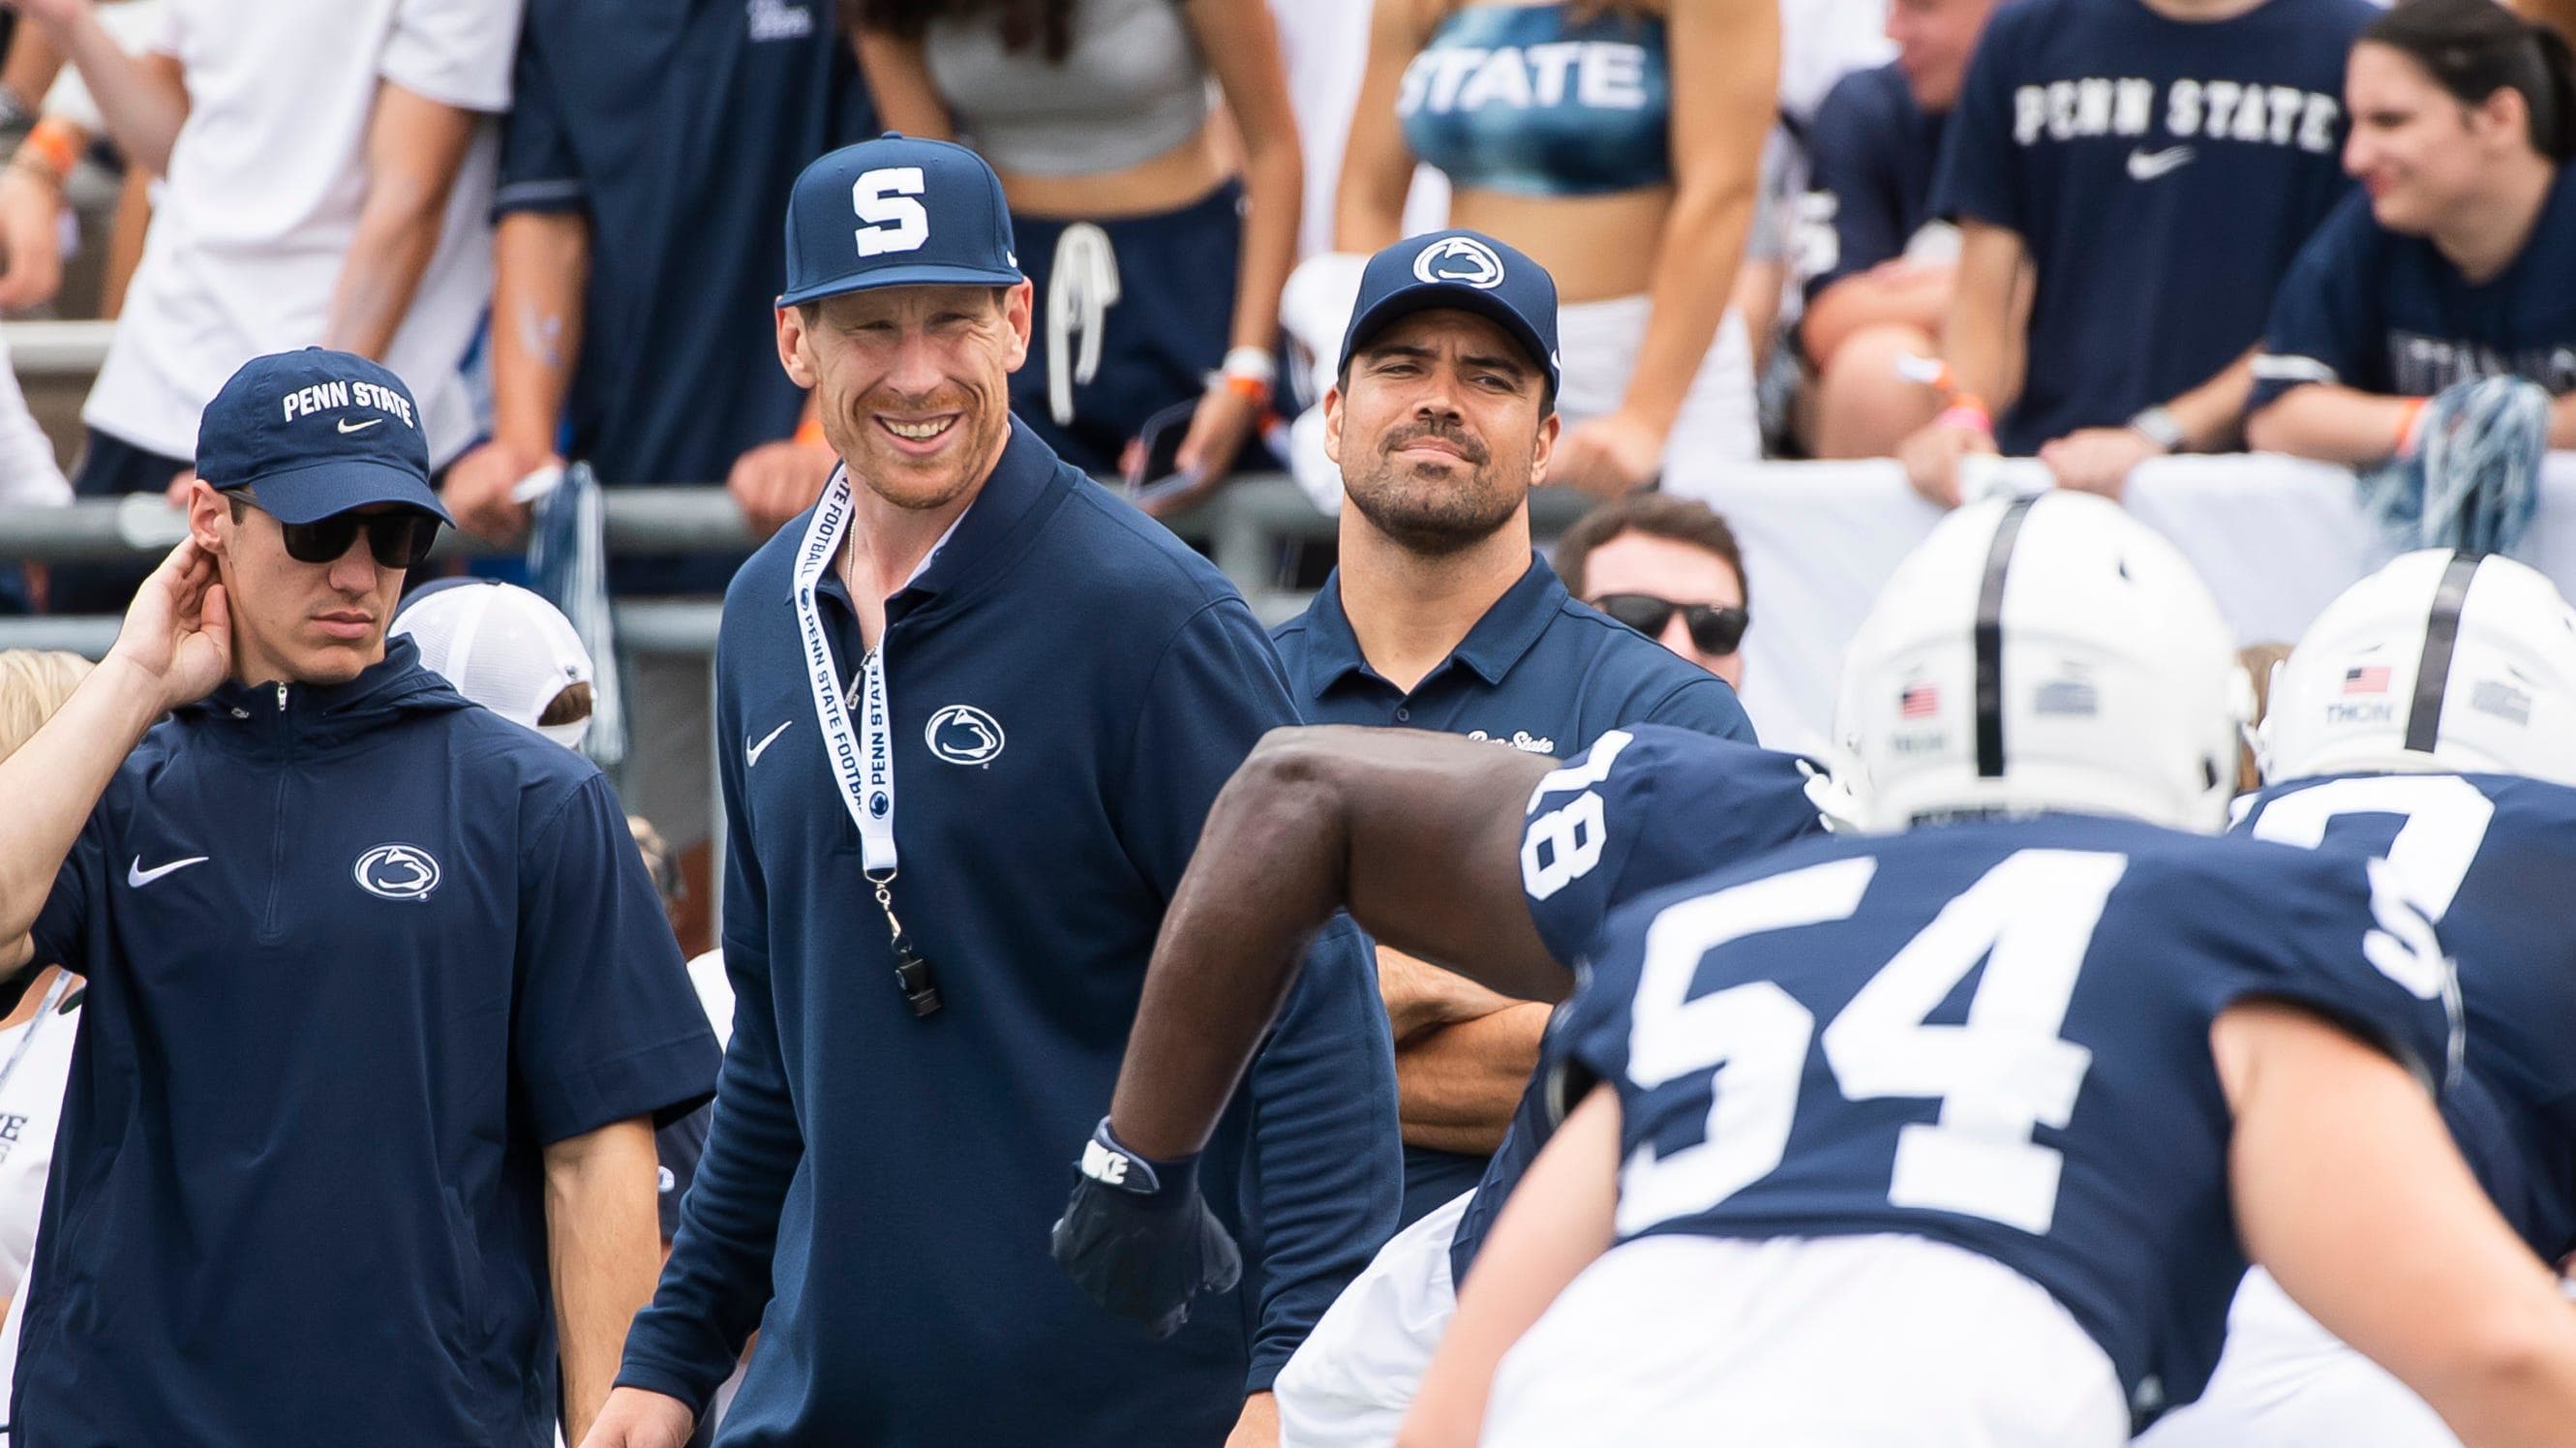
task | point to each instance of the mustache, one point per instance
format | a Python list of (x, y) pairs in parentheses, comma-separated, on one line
[(1455, 436)]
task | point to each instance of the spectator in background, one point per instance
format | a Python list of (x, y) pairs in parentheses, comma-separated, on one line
[(326, 166), (2454, 261), (509, 650), (2258, 661), (644, 166), (36, 1036), (1158, 241), (1619, 143), (1877, 265), (1670, 569), (1442, 617), (2131, 182), (643, 171)]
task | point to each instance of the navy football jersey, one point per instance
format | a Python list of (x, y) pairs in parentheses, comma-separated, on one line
[(2493, 859), (2163, 174), (1642, 809), (2389, 314), (1994, 1036)]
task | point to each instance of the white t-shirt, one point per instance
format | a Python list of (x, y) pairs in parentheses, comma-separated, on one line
[(262, 200)]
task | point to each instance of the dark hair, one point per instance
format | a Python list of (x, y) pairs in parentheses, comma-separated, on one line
[(2474, 48), (1046, 23), (1657, 515)]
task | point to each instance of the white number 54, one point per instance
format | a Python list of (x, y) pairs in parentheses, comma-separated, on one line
[(883, 198)]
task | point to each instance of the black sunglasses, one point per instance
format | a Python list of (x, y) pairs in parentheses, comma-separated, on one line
[(398, 540), (1713, 629)]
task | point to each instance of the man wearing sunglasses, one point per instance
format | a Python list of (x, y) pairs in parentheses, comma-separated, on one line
[(1668, 568), (1441, 616), (382, 1008)]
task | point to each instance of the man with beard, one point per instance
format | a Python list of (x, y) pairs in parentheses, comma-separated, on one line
[(932, 985), (1442, 617)]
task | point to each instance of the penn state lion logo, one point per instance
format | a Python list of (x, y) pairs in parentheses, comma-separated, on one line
[(1459, 259), (964, 734), (397, 872)]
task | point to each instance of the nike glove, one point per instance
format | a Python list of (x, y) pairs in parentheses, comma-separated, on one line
[(1138, 1238)]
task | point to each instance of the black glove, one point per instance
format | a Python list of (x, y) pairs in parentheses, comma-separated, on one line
[(1138, 1239)]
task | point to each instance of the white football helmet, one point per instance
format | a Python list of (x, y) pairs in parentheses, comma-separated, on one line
[(2439, 661), (2046, 653)]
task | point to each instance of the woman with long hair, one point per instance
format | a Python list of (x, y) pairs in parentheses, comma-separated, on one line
[(1157, 228), (2453, 263)]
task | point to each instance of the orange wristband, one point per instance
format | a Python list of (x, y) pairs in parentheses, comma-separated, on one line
[(810, 433), (1248, 387), (54, 145), (2406, 421)]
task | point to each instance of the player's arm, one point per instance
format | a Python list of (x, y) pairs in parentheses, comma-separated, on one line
[(1377, 166), (1558, 1222), (2349, 1190), (2338, 424), (603, 1235), (176, 645), (1418, 835), (415, 146)]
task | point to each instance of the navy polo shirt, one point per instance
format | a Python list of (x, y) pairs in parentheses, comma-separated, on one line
[(356, 955), (2163, 174), (1540, 672), (676, 128), (1872, 153), (1070, 686), (2379, 312)]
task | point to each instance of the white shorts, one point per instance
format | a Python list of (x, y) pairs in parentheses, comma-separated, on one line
[(1351, 1382), (2284, 1382), (1828, 1342)]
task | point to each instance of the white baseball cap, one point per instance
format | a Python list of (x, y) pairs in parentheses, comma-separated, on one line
[(501, 646)]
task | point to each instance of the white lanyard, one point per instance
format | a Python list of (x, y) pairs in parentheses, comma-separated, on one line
[(862, 759)]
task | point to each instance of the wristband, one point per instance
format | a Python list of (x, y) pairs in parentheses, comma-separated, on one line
[(1967, 412), (53, 146), (809, 433), (1254, 363), (2407, 421), (1110, 1162)]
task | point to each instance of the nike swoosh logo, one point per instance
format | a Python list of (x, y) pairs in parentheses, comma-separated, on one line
[(751, 752), (138, 877), (361, 427), (2145, 165)]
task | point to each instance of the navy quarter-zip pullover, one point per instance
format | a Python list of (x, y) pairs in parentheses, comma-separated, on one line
[(1070, 686), (356, 955), (1540, 672)]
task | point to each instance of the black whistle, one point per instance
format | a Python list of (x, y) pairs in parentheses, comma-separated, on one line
[(919, 983)]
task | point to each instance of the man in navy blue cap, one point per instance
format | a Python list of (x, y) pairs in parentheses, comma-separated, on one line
[(972, 711), (382, 1008), (1440, 616)]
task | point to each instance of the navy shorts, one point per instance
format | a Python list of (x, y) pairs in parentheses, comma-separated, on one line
[(1166, 332), (110, 467)]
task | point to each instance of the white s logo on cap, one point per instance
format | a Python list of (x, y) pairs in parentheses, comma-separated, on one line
[(1459, 259), (883, 198)]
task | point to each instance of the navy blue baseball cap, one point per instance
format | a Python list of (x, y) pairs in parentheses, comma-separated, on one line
[(897, 212), (1469, 271), (317, 432)]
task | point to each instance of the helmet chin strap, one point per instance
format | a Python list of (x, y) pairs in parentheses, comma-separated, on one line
[(2441, 636), (1990, 640)]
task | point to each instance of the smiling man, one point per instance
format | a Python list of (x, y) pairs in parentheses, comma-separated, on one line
[(381, 1005), (933, 982), (1441, 616)]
